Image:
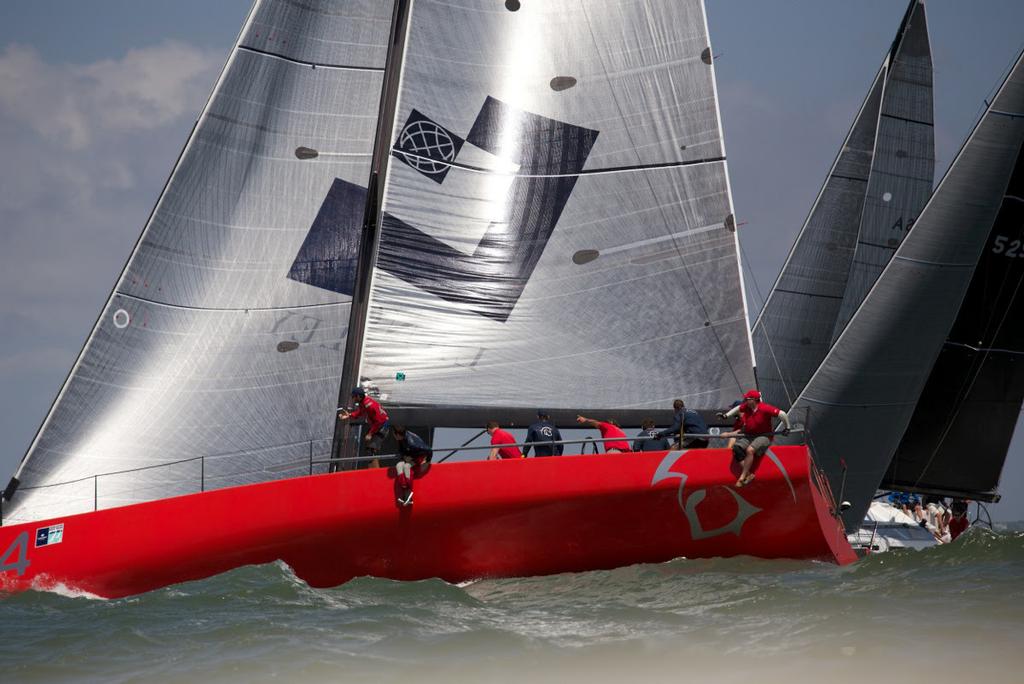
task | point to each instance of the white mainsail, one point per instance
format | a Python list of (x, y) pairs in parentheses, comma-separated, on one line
[(220, 347), (879, 182), (557, 223), (557, 229)]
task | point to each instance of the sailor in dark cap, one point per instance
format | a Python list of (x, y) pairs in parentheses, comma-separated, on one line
[(541, 432), (376, 418)]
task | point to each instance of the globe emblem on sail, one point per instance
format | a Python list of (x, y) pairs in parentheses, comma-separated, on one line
[(428, 146)]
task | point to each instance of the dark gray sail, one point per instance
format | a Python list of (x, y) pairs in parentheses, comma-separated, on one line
[(958, 437), (793, 331), (217, 359), (903, 168), (861, 400), (557, 224), (880, 180)]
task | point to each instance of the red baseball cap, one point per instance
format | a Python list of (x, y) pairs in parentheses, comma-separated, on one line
[(752, 394)]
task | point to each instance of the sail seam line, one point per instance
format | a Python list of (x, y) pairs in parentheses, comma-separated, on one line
[(348, 67), (808, 294), (908, 120), (849, 178), (213, 308), (933, 263), (585, 172), (1012, 115), (876, 244)]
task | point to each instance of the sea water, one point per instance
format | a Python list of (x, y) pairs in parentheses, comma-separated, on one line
[(950, 611)]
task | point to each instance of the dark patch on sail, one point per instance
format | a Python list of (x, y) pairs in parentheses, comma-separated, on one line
[(490, 280), (287, 346), (705, 56), (559, 83), (585, 256), (512, 5), (329, 255), (428, 146), (306, 153), (730, 223)]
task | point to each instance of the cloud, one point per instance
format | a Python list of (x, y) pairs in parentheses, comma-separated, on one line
[(86, 149), (69, 105)]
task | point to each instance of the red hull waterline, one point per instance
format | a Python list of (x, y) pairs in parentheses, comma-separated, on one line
[(521, 517)]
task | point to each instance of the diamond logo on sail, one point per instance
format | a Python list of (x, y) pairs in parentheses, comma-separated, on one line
[(427, 146)]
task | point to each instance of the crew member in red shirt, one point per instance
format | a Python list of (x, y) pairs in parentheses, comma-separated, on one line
[(499, 437), (376, 418), (756, 433), (608, 430), (959, 522)]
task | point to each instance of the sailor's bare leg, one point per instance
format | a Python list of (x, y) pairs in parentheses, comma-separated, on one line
[(747, 463)]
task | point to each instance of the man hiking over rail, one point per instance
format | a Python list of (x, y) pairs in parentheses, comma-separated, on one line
[(413, 450), (756, 434)]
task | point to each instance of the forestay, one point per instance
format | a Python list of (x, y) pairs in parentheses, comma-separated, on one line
[(878, 184), (224, 334), (557, 228), (862, 397)]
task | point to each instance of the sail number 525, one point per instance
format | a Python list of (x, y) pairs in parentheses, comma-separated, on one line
[(1010, 248)]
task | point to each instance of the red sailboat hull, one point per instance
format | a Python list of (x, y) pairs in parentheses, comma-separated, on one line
[(470, 520)]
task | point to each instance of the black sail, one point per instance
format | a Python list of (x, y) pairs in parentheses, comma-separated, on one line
[(958, 437)]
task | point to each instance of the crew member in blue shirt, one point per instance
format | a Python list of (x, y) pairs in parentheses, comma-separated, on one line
[(540, 432), (687, 422), (648, 439)]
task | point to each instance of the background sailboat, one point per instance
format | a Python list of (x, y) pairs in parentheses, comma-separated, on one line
[(876, 188), (873, 376)]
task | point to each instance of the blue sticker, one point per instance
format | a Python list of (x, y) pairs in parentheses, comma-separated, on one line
[(47, 536)]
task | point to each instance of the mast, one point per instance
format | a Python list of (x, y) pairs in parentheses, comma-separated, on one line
[(371, 215)]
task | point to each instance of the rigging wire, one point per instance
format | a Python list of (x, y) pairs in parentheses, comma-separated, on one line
[(771, 349)]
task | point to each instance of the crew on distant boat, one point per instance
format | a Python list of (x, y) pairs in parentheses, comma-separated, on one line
[(414, 451), (756, 434), (608, 429), (376, 417), (687, 422), (959, 522), (541, 436), (649, 438), (498, 438)]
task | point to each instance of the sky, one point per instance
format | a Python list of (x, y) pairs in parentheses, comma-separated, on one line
[(97, 98)]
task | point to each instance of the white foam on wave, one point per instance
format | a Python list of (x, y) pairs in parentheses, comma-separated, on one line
[(44, 583)]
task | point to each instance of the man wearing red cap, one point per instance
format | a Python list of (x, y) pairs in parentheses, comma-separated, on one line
[(755, 435)]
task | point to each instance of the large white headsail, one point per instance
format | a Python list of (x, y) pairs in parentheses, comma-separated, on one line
[(877, 186), (225, 333), (861, 399), (557, 225)]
